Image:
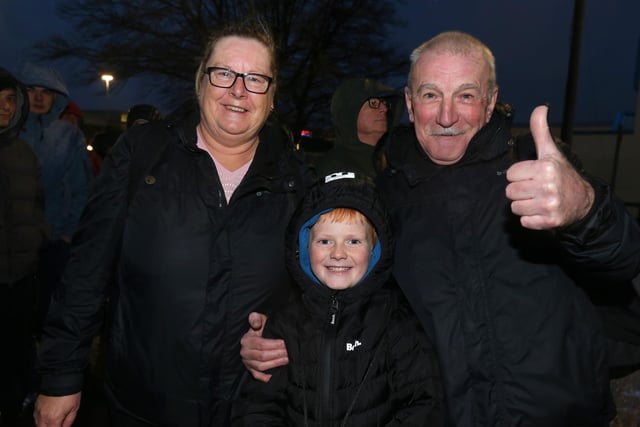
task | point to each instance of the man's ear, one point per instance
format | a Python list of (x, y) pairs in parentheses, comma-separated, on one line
[(407, 100), (491, 103)]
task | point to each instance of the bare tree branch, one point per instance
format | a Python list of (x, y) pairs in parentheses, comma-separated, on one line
[(320, 43)]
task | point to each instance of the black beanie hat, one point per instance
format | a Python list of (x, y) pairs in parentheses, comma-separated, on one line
[(7, 82)]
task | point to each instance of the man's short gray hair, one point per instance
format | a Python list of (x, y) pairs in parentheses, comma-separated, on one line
[(456, 43)]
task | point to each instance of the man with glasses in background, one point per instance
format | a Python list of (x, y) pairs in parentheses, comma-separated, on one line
[(361, 110)]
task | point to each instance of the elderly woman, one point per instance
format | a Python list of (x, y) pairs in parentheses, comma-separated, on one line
[(195, 246)]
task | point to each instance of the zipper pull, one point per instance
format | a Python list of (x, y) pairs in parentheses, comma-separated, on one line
[(333, 309)]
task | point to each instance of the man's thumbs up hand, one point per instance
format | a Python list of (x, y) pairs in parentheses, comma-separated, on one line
[(548, 192), (545, 145)]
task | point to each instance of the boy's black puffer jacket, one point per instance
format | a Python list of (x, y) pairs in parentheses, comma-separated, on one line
[(358, 357)]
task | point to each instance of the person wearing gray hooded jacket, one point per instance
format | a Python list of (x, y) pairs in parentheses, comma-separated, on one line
[(23, 231), (64, 161), (60, 148), (362, 111)]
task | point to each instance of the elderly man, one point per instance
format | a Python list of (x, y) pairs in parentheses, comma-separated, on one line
[(489, 263), (492, 235)]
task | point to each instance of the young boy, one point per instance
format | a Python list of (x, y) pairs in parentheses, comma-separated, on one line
[(357, 354)]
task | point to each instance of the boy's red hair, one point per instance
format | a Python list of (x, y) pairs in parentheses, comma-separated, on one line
[(349, 216)]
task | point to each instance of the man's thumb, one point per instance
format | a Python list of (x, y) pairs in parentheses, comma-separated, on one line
[(545, 146), (255, 321)]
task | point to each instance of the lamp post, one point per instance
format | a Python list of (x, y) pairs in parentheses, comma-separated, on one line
[(107, 78)]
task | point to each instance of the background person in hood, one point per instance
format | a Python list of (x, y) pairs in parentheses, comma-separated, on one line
[(72, 114), (357, 353), (64, 161), (362, 110), (22, 234), (142, 113)]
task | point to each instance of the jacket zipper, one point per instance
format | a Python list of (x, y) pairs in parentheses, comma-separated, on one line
[(326, 371)]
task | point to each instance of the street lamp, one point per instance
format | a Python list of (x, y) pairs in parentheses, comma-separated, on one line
[(107, 78)]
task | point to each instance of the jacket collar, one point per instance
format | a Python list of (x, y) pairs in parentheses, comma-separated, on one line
[(274, 166), (405, 154)]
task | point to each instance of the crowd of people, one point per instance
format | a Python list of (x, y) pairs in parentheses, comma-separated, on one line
[(46, 171), (429, 274)]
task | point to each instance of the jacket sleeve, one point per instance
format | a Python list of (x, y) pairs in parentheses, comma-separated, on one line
[(75, 312), (68, 176), (416, 388), (606, 241), (263, 404), (77, 178)]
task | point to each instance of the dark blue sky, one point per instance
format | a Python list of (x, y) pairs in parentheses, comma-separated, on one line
[(530, 40)]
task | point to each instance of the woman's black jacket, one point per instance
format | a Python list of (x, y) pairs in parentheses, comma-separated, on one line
[(189, 267)]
